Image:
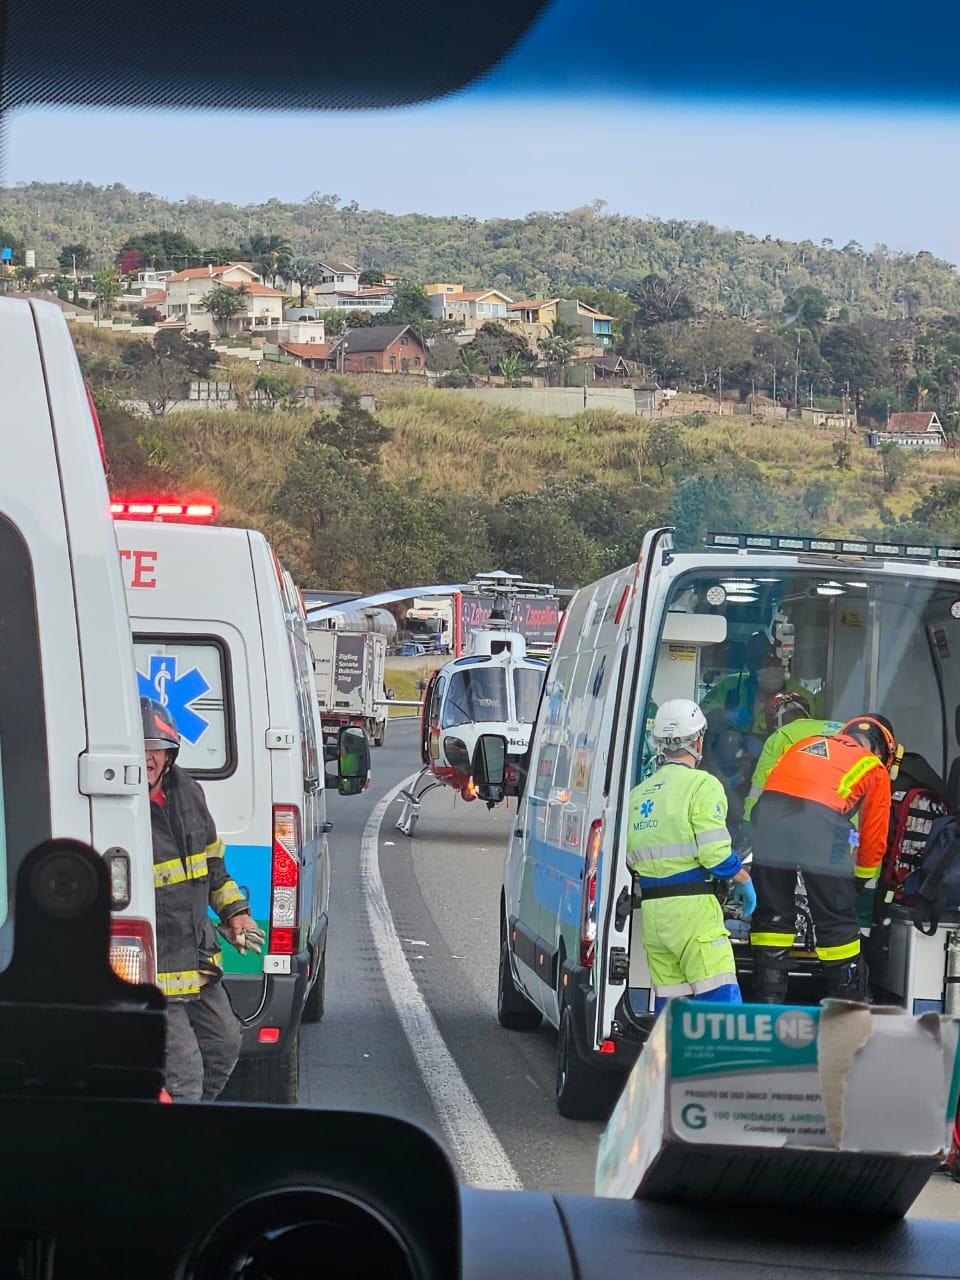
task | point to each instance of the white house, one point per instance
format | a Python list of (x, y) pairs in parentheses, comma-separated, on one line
[(910, 431), (336, 277), (472, 309), (377, 299), (148, 281), (187, 292)]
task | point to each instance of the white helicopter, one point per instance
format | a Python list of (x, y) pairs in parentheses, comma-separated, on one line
[(493, 689)]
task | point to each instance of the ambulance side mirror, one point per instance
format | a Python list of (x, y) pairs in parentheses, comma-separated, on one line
[(489, 767), (353, 761)]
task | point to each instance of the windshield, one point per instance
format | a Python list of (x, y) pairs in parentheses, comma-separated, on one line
[(454, 360), (527, 684), (476, 695)]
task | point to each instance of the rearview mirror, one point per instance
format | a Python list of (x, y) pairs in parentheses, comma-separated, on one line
[(353, 761), (489, 767)]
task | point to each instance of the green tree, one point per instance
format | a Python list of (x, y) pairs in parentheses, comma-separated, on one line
[(162, 250), (410, 306), (893, 465), (333, 322), (354, 433), (223, 304), (304, 272), (74, 258), (806, 308), (494, 342), (853, 358), (358, 319), (557, 352), (271, 256), (372, 275), (471, 363), (817, 498), (663, 444), (511, 369), (659, 301), (842, 453), (106, 287), (26, 277), (536, 534), (161, 370)]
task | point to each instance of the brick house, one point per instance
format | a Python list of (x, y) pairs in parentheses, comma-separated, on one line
[(382, 348)]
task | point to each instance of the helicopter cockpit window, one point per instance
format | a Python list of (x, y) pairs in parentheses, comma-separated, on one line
[(845, 641), (527, 684), (476, 694)]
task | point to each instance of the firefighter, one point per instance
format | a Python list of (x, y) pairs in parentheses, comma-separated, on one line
[(203, 1034), (803, 820), (678, 847), (789, 719)]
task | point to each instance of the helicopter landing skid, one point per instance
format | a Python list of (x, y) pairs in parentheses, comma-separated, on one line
[(411, 801)]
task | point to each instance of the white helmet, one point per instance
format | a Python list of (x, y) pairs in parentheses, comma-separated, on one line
[(678, 724)]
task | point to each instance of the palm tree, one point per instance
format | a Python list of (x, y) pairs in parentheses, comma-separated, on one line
[(271, 255), (473, 366), (304, 272)]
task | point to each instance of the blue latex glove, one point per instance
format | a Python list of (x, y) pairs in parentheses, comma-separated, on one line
[(744, 896)]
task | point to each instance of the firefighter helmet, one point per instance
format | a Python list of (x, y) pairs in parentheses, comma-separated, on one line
[(159, 730), (878, 732)]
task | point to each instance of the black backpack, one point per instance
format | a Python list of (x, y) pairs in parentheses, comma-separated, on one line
[(934, 887)]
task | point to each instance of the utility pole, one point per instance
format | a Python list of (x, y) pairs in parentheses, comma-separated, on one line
[(720, 391), (844, 389)]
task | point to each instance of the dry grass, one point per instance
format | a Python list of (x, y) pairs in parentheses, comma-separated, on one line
[(445, 443)]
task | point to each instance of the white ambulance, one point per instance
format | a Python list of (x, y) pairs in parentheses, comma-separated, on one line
[(71, 743), (859, 626), (220, 638)]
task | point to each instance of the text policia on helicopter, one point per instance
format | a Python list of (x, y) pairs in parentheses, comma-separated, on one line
[(793, 659)]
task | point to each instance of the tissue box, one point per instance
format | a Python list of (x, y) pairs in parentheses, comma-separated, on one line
[(842, 1106)]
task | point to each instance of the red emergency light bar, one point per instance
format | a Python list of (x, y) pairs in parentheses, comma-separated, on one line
[(192, 511)]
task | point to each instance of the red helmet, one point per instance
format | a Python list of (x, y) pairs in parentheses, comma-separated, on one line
[(784, 707), (159, 730), (878, 732)]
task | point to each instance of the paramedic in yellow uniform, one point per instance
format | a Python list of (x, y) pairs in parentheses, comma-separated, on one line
[(677, 847)]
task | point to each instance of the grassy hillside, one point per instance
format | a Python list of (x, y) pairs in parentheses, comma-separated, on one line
[(459, 486), (725, 271)]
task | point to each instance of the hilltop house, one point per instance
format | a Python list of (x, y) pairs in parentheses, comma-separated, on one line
[(470, 309), (910, 431), (595, 327), (382, 348), (187, 291), (534, 318)]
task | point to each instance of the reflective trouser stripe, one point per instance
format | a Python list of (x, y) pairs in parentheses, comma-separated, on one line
[(167, 873), (186, 982), (844, 952), (866, 873), (196, 866), (702, 985), (772, 939)]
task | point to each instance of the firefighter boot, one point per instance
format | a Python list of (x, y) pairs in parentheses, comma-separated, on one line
[(771, 969), (846, 979)]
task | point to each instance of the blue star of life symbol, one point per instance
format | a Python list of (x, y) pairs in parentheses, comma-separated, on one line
[(646, 808), (176, 693)]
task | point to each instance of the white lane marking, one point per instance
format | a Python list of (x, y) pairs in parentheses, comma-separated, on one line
[(476, 1148)]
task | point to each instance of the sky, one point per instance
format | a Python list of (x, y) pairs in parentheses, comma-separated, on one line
[(510, 145)]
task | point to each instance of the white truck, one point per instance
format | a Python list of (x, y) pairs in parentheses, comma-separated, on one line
[(349, 669)]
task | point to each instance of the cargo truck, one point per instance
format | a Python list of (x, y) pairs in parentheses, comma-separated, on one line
[(349, 667)]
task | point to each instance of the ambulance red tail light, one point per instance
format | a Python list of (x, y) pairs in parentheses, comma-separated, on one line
[(132, 952), (165, 510), (285, 881), (588, 906)]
